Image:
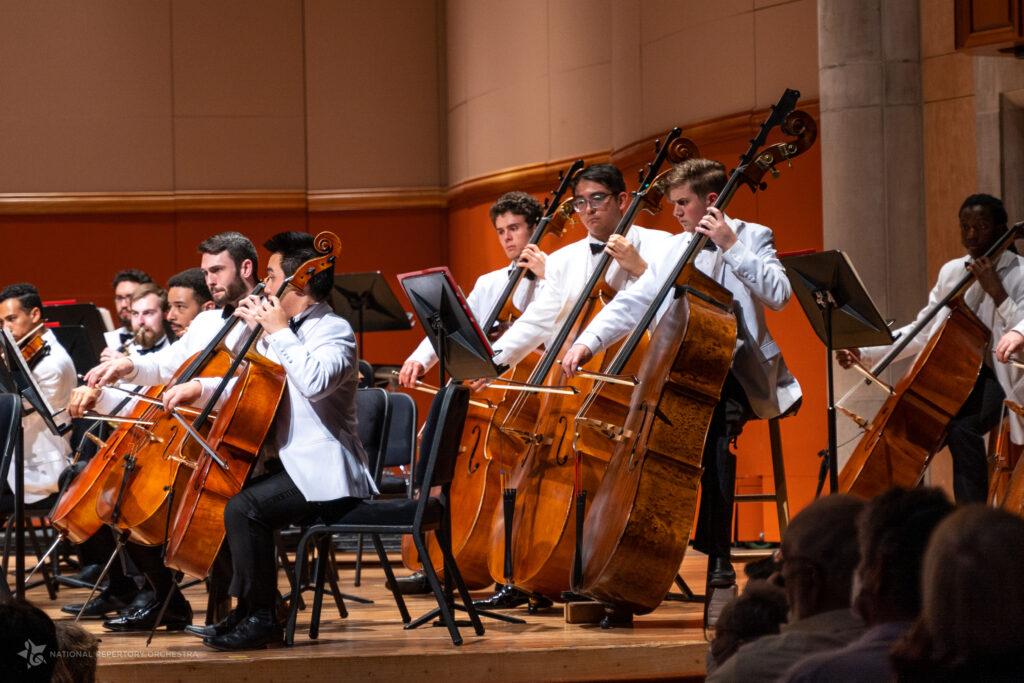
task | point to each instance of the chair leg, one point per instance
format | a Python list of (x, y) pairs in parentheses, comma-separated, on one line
[(779, 474), (289, 570), (293, 608), (332, 577), (319, 573), (435, 586), (389, 574), (451, 572), (51, 585), (8, 530), (358, 580)]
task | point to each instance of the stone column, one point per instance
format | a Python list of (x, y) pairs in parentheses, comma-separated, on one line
[(871, 159)]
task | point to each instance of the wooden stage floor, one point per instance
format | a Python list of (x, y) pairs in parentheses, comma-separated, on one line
[(372, 645)]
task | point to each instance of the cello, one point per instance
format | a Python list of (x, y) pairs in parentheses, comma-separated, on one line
[(535, 427), (911, 425), (638, 526), (197, 531)]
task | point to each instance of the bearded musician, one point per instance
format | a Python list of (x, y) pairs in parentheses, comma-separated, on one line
[(314, 462)]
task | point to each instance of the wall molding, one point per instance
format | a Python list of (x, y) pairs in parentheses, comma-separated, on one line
[(538, 177)]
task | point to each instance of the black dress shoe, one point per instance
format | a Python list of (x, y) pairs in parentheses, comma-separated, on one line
[(506, 597), (221, 628), (99, 606), (177, 616), (85, 577), (255, 632), (720, 572), (414, 584)]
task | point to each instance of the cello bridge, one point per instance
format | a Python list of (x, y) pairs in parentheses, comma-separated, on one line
[(606, 429), (528, 437)]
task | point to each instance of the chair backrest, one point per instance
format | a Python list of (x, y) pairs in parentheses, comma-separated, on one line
[(401, 442), (373, 410), (366, 374), (10, 431), (442, 435)]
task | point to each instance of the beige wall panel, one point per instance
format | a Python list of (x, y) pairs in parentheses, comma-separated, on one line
[(243, 152), (949, 174), (506, 128), (580, 111), (947, 76), (661, 18), (579, 33), (458, 35), (502, 43), (627, 82), (85, 96), (58, 154), (686, 79), (936, 27), (373, 95), (786, 50), (237, 58), (458, 144)]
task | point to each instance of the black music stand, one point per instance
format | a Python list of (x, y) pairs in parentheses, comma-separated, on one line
[(843, 316), (462, 348), (366, 301), (462, 351), (79, 329)]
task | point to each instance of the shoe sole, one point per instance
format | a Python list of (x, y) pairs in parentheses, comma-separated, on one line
[(136, 629), (265, 646)]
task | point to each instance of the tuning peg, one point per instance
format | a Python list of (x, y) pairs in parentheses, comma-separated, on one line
[(657, 144), (640, 176), (774, 171)]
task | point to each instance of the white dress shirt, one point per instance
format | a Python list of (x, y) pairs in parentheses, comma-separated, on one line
[(566, 273), (314, 433), (752, 272), (46, 454), (112, 338), (481, 300), (999, 319)]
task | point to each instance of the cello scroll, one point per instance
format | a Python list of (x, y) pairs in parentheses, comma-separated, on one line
[(798, 125)]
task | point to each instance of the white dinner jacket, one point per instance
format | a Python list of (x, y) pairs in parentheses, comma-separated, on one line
[(45, 453), (481, 300), (566, 272), (752, 272), (314, 433)]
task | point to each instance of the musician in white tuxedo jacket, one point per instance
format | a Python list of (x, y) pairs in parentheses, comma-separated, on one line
[(514, 216), (45, 453), (600, 200), (323, 466), (759, 383)]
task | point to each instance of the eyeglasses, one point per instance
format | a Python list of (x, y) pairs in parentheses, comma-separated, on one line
[(594, 201)]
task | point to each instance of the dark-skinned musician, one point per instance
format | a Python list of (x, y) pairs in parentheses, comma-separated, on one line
[(759, 384), (229, 265), (321, 466), (187, 297), (994, 299), (514, 216)]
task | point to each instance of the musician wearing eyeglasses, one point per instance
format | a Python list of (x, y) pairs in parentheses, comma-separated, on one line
[(125, 283), (741, 257), (599, 199)]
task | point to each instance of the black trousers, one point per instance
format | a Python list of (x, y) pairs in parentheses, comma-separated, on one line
[(966, 437), (267, 503), (718, 482)]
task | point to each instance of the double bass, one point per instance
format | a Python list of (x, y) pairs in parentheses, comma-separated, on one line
[(536, 427), (638, 525), (911, 425)]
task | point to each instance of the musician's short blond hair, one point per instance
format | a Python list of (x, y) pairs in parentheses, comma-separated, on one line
[(704, 176), (151, 288)]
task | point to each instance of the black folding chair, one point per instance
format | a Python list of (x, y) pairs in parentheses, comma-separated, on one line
[(413, 516)]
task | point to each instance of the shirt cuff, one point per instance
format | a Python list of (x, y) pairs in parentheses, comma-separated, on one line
[(591, 341)]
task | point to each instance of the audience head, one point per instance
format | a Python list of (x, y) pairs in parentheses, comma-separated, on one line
[(819, 554), (124, 285), (893, 532), (229, 264), (21, 308), (972, 610), (78, 648), (758, 611), (187, 297), (28, 643)]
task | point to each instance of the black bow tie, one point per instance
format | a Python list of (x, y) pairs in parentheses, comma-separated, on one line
[(151, 349), (294, 324), (226, 312), (596, 247), (125, 336)]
